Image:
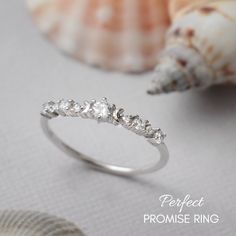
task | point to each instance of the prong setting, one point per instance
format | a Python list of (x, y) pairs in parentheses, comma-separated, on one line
[(49, 110), (103, 111)]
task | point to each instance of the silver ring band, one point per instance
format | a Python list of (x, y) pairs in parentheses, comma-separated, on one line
[(104, 112)]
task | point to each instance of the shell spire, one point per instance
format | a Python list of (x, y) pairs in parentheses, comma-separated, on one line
[(200, 49)]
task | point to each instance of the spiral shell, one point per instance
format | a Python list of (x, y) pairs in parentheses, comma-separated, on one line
[(124, 35), (179, 7), (27, 223), (200, 49)]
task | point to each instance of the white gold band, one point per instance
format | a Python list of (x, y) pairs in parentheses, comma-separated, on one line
[(104, 112)]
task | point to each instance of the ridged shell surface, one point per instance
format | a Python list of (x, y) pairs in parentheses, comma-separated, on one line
[(200, 49), (27, 223), (179, 7), (124, 35)]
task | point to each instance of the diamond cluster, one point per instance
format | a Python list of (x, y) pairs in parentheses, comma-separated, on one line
[(102, 111)]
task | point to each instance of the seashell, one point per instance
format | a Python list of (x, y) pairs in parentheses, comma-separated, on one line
[(124, 35), (27, 223), (178, 7), (200, 49)]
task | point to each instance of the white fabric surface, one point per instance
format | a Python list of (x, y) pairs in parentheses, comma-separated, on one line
[(35, 175)]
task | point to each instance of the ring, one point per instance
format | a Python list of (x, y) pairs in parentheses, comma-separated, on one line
[(103, 111)]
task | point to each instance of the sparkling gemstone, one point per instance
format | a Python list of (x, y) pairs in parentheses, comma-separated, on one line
[(76, 108), (138, 124), (49, 107), (65, 107), (127, 120), (159, 136), (150, 131), (101, 110)]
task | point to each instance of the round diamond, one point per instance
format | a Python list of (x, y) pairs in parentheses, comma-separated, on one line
[(101, 110), (138, 124), (49, 107), (65, 107), (76, 108), (149, 131), (159, 136)]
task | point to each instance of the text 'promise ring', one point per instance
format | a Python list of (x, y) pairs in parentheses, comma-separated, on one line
[(104, 112)]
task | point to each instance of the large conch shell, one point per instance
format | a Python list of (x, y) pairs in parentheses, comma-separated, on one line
[(200, 47), (123, 35)]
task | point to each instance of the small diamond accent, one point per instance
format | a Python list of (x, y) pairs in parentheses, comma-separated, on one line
[(138, 124), (65, 107), (149, 132), (49, 109), (127, 121), (76, 109), (159, 136)]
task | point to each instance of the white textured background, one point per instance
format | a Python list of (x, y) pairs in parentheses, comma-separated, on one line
[(201, 128)]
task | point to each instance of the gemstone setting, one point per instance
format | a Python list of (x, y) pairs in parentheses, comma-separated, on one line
[(49, 109), (103, 111), (159, 136)]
